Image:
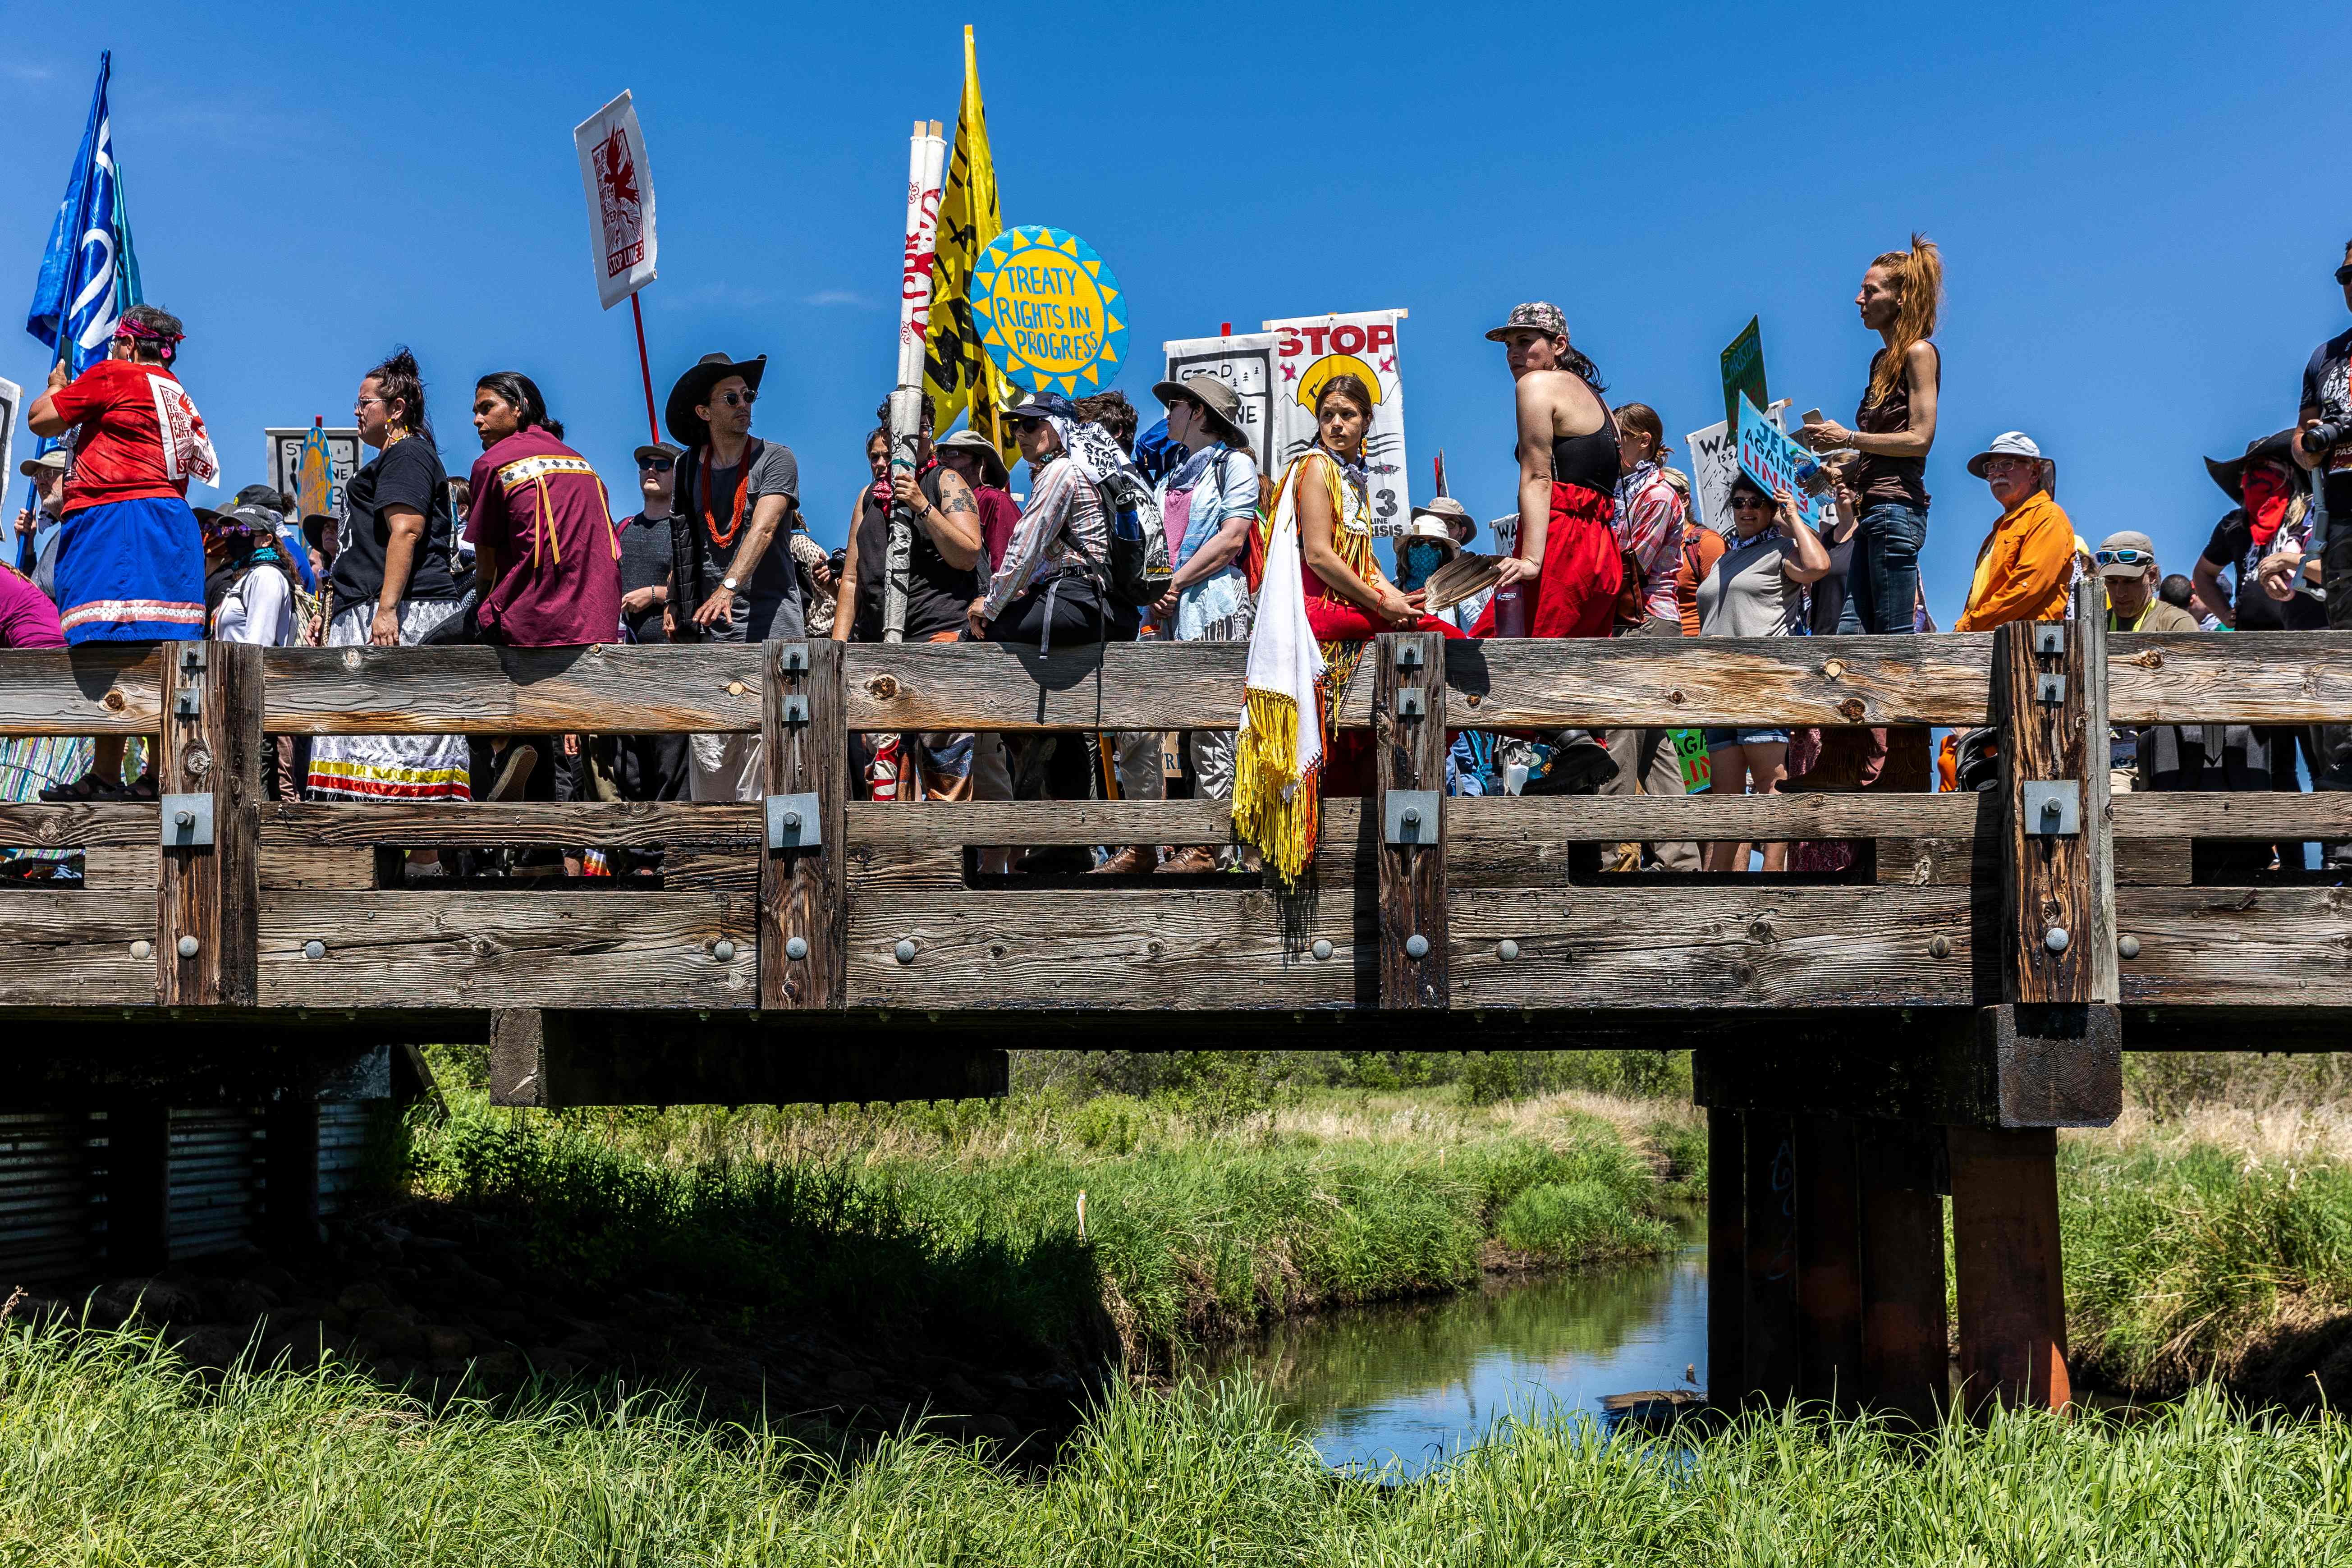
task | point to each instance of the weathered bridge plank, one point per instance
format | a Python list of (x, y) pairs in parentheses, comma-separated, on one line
[(1653, 944), (2244, 677), (97, 689), (645, 689), (489, 825), (72, 948), (2257, 946), (538, 949)]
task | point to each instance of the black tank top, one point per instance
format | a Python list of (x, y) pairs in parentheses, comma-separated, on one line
[(1592, 460), (1901, 480), (938, 595)]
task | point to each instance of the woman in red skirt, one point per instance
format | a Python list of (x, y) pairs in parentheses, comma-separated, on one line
[(1567, 557)]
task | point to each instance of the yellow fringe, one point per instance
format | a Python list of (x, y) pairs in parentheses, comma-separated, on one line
[(1274, 809)]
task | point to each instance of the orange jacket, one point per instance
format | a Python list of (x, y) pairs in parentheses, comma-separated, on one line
[(2024, 569)]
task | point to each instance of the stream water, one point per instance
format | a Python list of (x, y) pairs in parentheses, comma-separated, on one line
[(1410, 1382)]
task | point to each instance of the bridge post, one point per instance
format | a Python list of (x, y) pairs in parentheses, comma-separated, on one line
[(2059, 991), (1409, 742), (208, 888), (802, 901), (1771, 1325), (1829, 1261)]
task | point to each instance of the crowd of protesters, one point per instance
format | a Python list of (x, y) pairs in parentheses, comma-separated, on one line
[(1174, 532)]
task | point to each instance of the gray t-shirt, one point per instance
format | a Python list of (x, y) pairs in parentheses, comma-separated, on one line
[(772, 598), (1747, 594)]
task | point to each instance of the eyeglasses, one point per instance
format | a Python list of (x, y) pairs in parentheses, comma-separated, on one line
[(2124, 557), (2343, 273), (1748, 498), (2004, 464), (735, 399), (361, 406), (658, 465)]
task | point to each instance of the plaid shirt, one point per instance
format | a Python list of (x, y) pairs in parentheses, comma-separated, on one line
[(1650, 529)]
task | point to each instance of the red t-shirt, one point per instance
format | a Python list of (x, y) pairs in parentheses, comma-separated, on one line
[(998, 517), (541, 508), (139, 438)]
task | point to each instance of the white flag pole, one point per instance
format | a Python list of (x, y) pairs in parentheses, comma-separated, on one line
[(926, 174)]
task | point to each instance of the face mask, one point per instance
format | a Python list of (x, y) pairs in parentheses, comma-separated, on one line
[(1421, 559), (2266, 498)]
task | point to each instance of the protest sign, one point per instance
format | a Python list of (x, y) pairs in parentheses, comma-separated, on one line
[(1309, 350), (1057, 320), (620, 186), (1774, 461), (12, 402), (1712, 456), (1690, 751), (1246, 363), (1743, 372), (312, 465)]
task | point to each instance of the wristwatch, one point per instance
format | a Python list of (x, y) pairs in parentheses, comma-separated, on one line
[(729, 584)]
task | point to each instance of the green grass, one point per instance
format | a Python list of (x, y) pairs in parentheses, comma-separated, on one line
[(111, 1454), (959, 1223)]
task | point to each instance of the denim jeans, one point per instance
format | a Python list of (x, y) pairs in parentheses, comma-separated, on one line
[(1881, 585)]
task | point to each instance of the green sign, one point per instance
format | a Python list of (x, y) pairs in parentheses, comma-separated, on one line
[(1743, 371), (1051, 313), (1690, 749)]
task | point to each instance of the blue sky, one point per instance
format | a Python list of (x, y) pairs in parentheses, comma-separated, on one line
[(2130, 278)]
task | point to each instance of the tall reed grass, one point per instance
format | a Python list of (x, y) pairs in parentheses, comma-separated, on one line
[(111, 1453)]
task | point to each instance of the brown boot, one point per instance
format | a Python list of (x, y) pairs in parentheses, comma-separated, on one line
[(1190, 861), (1131, 861)]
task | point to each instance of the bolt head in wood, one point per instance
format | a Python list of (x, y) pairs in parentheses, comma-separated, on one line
[(188, 947), (905, 950), (2055, 939), (185, 818), (1416, 946), (2128, 946), (1506, 950), (724, 951), (1322, 948), (142, 949), (314, 949), (796, 948), (1940, 947)]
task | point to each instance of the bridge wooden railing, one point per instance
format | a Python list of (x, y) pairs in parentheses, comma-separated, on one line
[(876, 906)]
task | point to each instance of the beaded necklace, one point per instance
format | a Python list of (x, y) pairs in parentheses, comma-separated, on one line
[(743, 489)]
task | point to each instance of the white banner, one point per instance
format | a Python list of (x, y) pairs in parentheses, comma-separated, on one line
[(620, 186), (1711, 458), (1246, 363), (11, 403), (1310, 350)]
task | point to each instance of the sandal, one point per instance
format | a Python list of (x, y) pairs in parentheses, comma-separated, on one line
[(142, 788), (84, 790)]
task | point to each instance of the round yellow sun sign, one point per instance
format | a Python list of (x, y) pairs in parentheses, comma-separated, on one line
[(1051, 313)]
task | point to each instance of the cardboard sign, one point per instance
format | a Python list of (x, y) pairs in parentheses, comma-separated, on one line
[(1246, 363), (1712, 456), (1057, 320), (1309, 350), (1774, 460), (312, 465), (1743, 372), (619, 181)]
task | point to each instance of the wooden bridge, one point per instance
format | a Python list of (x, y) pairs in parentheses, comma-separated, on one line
[(1868, 1042)]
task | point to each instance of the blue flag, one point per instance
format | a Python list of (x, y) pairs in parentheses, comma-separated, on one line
[(88, 275)]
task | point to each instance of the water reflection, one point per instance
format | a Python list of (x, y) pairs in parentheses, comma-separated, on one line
[(1412, 1382)]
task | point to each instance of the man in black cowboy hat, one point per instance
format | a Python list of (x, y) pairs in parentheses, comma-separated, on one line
[(2263, 541), (735, 496)]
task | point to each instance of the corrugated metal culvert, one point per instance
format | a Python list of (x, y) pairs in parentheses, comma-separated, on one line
[(49, 1194)]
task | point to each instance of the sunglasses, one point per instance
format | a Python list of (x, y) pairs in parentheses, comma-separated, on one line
[(2124, 557), (658, 465), (738, 399), (2343, 273)]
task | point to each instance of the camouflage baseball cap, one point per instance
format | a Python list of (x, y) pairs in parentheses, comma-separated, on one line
[(1540, 314)]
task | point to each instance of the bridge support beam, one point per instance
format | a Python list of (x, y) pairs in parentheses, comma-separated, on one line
[(2005, 1251)]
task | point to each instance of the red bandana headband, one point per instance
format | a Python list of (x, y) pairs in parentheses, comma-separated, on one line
[(139, 332)]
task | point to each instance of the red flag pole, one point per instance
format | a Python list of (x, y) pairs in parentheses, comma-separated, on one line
[(645, 367)]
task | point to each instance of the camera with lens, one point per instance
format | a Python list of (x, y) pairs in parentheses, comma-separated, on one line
[(2326, 433)]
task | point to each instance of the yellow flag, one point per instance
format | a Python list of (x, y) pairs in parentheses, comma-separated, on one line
[(958, 376)]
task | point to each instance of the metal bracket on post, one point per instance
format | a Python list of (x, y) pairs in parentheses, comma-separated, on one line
[(1411, 816), (794, 822), (1408, 655), (2050, 638), (2050, 690), (793, 656), (2051, 808), (187, 821), (1410, 704), (795, 709)]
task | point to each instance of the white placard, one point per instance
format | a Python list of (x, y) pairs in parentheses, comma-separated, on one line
[(1711, 458), (283, 463), (11, 403), (1246, 363), (1308, 350), (619, 181)]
